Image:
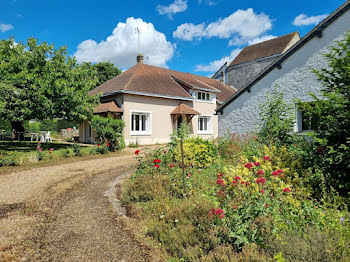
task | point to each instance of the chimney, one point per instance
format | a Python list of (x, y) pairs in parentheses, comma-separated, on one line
[(223, 76), (139, 59)]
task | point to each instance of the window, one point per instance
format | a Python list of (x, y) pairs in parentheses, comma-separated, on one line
[(306, 122), (204, 124), (140, 123), (203, 96)]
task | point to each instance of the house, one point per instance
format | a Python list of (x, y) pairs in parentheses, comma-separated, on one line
[(290, 73), (253, 59), (154, 101)]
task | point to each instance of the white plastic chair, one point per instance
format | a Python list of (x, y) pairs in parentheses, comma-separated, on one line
[(48, 137)]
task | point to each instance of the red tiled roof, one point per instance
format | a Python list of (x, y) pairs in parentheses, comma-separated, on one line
[(183, 109), (264, 49), (107, 107), (155, 80)]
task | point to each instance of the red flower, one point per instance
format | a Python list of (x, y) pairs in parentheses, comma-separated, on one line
[(156, 166), (49, 152), (260, 172), (220, 182), (282, 176), (238, 178), (220, 175), (164, 151), (171, 165), (287, 189), (188, 175), (247, 184), (262, 191), (242, 182), (267, 158), (137, 152), (275, 173), (248, 165), (266, 205), (107, 145), (234, 182), (261, 181), (98, 145), (220, 193), (280, 171), (157, 161), (219, 211), (257, 164), (222, 216)]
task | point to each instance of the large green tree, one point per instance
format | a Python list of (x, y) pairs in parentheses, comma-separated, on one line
[(331, 110), (104, 70), (39, 81)]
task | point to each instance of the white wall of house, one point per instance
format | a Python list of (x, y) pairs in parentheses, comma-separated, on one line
[(295, 78)]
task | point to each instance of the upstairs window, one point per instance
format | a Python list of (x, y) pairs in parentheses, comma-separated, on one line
[(140, 123), (203, 96)]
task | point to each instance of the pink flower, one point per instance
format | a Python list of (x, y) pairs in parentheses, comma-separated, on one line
[(137, 152), (287, 190), (267, 158), (261, 181), (257, 164), (164, 151), (238, 178), (40, 150), (51, 149), (248, 165), (219, 211), (37, 146), (260, 172), (266, 205), (262, 191), (220, 182), (188, 175), (156, 166)]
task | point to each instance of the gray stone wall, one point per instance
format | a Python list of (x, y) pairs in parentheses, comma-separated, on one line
[(295, 79), (242, 74)]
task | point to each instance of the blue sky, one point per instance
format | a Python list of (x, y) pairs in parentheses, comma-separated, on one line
[(194, 36)]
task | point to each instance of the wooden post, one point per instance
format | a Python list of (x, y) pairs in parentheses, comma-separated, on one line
[(183, 165)]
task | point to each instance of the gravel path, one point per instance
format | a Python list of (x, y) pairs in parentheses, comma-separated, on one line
[(71, 219)]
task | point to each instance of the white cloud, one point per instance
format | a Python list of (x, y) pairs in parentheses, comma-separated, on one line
[(121, 46), (261, 39), (209, 2), (5, 27), (242, 24), (303, 19), (216, 64), (176, 7)]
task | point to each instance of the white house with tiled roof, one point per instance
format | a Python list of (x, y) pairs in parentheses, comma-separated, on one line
[(290, 73), (154, 101)]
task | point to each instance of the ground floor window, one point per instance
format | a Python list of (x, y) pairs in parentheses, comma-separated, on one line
[(140, 123), (306, 122), (204, 124)]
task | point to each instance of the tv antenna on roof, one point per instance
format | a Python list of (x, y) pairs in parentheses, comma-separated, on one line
[(138, 31)]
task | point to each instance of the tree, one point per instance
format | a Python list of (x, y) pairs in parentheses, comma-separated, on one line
[(105, 71), (277, 120), (332, 111), (40, 82)]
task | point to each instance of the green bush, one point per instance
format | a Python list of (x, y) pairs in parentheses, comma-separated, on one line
[(198, 152), (65, 153), (77, 150), (9, 160), (110, 131)]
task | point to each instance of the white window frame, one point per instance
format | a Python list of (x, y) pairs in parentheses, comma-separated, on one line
[(200, 94), (210, 125), (148, 130)]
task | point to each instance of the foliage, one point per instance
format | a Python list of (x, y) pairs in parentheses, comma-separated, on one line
[(110, 131), (198, 152), (331, 108), (8, 160), (102, 149), (65, 153), (183, 132), (55, 125), (104, 70), (277, 120), (5, 124), (77, 150), (243, 210), (40, 82)]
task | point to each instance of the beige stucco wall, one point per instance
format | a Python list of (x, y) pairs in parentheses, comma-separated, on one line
[(162, 124)]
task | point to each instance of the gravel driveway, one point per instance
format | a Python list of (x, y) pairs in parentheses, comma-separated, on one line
[(60, 213)]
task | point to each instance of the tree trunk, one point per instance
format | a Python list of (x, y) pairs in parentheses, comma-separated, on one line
[(17, 131)]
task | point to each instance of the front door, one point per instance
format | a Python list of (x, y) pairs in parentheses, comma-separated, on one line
[(179, 122)]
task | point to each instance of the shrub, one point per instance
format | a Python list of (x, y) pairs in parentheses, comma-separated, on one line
[(65, 153), (198, 152), (277, 120), (110, 131), (331, 151), (102, 149), (9, 161), (77, 150)]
